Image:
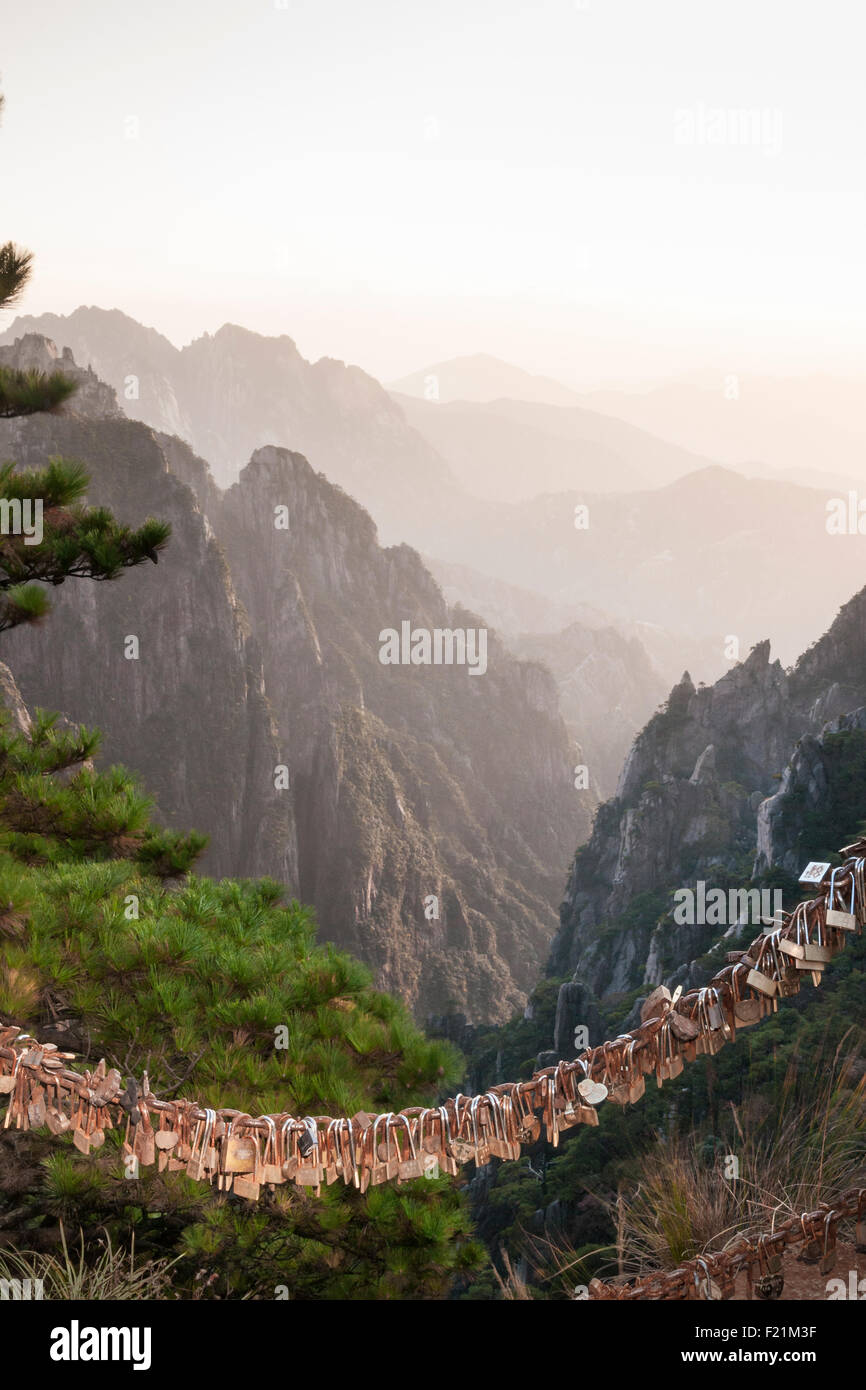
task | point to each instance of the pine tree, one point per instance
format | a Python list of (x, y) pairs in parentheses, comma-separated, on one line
[(98, 940), (47, 533)]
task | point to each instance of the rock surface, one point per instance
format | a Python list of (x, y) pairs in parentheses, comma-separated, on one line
[(802, 790)]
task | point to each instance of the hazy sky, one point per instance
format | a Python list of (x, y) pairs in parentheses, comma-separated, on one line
[(604, 189)]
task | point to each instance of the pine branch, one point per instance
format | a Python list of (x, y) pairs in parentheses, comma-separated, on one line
[(65, 540), (61, 483), (30, 392), (168, 853), (23, 603), (16, 267), (50, 750)]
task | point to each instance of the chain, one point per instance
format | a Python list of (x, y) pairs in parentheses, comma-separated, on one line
[(209, 1143), (712, 1276)]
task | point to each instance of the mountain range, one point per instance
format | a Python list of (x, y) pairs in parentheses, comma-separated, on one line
[(804, 429), (229, 393), (691, 563), (512, 450), (693, 552), (482, 377), (425, 813), (411, 792)]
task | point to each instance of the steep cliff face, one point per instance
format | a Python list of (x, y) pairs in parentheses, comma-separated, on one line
[(411, 782), (700, 788), (190, 713), (786, 818)]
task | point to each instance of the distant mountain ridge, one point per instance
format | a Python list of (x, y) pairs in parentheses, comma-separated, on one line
[(610, 676), (512, 450), (698, 557), (414, 465), (232, 392), (481, 377), (800, 427), (608, 687)]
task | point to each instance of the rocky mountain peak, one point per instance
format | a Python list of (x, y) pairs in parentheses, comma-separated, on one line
[(716, 771), (414, 784), (34, 352)]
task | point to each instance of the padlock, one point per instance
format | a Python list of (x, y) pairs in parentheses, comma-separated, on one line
[(828, 1254), (272, 1168), (410, 1164), (812, 1248), (245, 1181), (770, 1286), (707, 1288), (747, 1009), (656, 1004), (842, 920)]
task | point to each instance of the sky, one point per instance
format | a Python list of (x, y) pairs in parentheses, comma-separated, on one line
[(602, 190)]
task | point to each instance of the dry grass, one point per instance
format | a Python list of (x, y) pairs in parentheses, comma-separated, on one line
[(683, 1199), (112, 1275), (809, 1148), (512, 1287)]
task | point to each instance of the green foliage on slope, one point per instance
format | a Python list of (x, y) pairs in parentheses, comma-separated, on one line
[(190, 979)]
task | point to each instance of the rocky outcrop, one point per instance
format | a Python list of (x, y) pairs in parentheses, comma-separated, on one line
[(706, 780), (190, 714), (136, 362), (34, 352), (803, 791), (12, 704)]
